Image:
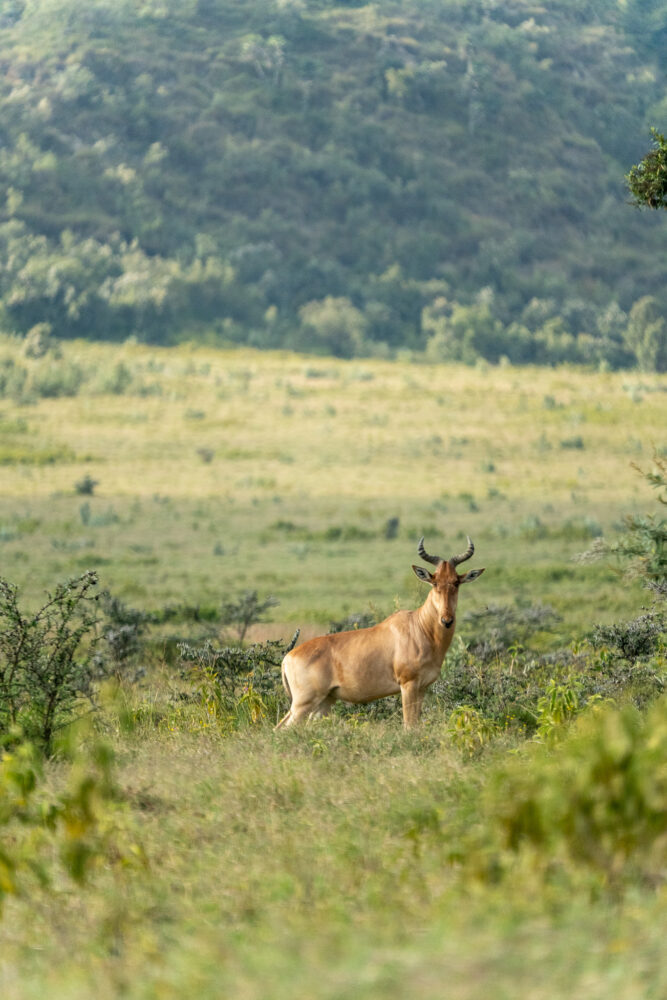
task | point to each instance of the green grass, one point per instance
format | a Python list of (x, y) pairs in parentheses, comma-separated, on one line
[(324, 863), (220, 471)]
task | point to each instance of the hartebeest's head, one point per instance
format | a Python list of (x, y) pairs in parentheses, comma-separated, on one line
[(445, 581)]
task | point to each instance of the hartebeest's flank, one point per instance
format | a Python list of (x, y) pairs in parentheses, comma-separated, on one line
[(403, 653)]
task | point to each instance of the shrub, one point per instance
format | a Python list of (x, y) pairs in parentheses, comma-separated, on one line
[(117, 381), (44, 671), (646, 335), (333, 326), (643, 546), (576, 443), (534, 693), (556, 706), (86, 487), (53, 380), (77, 825), (637, 638), (246, 610), (239, 683), (497, 628), (13, 381), (355, 620), (38, 342), (469, 730), (121, 638), (391, 528), (468, 332), (598, 802)]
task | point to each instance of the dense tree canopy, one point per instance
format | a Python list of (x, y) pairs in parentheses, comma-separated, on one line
[(357, 178)]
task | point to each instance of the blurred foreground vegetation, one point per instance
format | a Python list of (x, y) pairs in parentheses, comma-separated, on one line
[(181, 848), (356, 179)]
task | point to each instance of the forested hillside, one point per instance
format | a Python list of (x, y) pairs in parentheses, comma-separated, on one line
[(436, 175)]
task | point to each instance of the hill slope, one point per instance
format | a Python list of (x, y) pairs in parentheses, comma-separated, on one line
[(181, 166)]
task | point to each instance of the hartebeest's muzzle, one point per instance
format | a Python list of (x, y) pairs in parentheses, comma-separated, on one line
[(447, 622)]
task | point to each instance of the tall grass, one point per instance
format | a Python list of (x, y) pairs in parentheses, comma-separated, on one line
[(349, 860)]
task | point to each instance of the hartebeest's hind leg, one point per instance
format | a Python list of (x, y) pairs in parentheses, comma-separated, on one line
[(285, 720), (312, 708)]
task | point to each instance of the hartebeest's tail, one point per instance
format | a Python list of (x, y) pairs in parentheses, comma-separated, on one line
[(285, 681), (289, 695), (293, 643), (284, 676)]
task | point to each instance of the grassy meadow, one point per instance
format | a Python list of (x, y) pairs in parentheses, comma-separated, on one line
[(222, 471), (348, 859)]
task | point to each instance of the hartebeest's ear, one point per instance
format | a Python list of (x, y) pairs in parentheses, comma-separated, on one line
[(424, 574), (472, 575)]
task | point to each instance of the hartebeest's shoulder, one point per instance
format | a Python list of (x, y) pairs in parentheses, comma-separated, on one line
[(402, 653)]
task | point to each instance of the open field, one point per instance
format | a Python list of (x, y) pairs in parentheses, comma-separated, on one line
[(219, 471), (347, 859), (334, 863)]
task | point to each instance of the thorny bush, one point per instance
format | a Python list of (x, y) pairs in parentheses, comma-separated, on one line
[(46, 663)]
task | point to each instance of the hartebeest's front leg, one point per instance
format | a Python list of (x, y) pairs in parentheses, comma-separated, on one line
[(412, 696)]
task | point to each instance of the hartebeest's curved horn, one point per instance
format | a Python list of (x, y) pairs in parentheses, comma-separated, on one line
[(455, 560), (423, 554)]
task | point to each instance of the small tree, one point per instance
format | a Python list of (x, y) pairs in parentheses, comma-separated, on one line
[(645, 541), (646, 335), (38, 342), (44, 669), (647, 180), (245, 611), (333, 326), (643, 546), (265, 55)]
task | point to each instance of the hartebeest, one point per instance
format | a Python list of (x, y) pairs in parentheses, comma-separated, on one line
[(403, 653)]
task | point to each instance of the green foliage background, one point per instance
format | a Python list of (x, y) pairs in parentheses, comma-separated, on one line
[(341, 178)]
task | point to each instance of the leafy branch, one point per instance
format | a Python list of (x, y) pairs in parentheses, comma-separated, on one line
[(647, 180)]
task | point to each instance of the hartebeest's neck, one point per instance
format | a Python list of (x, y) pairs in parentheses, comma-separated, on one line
[(431, 626)]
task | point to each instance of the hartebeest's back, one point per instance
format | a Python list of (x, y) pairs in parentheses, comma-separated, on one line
[(403, 653)]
